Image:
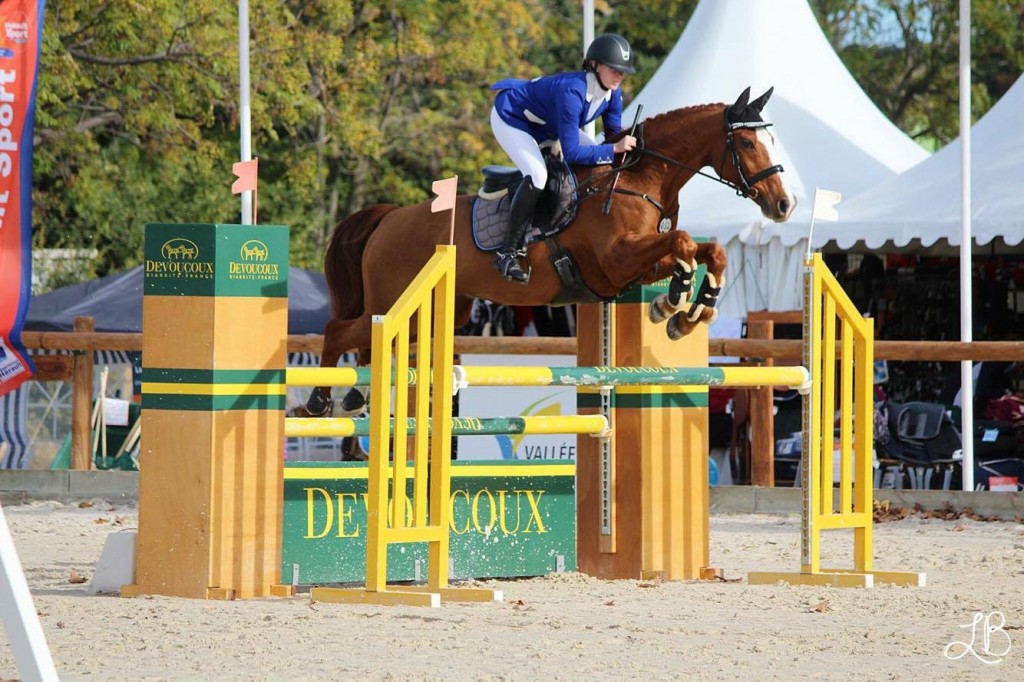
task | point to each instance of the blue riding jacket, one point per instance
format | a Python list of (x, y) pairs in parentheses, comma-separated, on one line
[(556, 107)]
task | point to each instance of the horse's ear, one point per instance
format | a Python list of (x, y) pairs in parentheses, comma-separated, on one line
[(758, 104), (741, 101)]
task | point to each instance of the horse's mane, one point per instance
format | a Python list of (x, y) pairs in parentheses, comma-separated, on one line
[(656, 121)]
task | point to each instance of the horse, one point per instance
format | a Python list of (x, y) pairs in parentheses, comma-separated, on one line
[(373, 254)]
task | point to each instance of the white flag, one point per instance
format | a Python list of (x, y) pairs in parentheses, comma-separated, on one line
[(825, 201)]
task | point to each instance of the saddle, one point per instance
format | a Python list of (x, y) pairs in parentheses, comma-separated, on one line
[(556, 208)]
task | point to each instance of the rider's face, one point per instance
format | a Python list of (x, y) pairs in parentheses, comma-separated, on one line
[(610, 77)]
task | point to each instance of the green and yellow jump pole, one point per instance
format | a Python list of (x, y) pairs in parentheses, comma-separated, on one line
[(215, 325)]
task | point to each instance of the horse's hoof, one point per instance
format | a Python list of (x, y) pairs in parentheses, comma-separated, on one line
[(298, 411), (338, 410), (655, 314), (352, 450), (352, 404), (679, 326), (672, 328)]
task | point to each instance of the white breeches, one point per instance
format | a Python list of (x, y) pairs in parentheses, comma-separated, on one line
[(524, 150)]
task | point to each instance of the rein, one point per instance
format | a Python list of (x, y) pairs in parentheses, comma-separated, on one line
[(745, 188)]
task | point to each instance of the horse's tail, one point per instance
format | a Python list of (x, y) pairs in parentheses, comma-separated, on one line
[(343, 262)]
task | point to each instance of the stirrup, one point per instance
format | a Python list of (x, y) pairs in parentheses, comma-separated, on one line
[(507, 263)]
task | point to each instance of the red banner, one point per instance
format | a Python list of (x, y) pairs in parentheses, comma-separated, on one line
[(21, 28)]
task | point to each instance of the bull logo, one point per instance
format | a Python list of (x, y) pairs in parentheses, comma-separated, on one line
[(254, 250), (179, 249)]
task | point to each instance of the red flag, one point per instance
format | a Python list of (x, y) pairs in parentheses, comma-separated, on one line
[(446, 191), (21, 27), (246, 172)]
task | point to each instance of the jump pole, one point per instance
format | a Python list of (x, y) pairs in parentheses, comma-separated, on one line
[(211, 485)]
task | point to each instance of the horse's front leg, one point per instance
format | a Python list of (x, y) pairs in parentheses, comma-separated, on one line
[(682, 257), (637, 255), (702, 309)]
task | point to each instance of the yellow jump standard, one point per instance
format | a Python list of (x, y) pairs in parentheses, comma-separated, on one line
[(828, 311), (431, 299)]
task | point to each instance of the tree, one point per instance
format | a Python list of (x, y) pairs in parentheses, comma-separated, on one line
[(353, 102), (357, 102), (905, 54)]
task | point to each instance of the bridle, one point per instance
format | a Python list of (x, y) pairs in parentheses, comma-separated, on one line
[(745, 188)]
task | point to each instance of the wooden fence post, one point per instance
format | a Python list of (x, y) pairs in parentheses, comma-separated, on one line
[(81, 401)]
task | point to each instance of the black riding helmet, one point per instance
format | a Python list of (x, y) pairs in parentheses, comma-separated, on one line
[(612, 50)]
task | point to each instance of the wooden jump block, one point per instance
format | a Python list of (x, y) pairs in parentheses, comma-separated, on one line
[(643, 507), (215, 316)]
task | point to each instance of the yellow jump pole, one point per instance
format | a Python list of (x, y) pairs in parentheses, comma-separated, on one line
[(430, 299)]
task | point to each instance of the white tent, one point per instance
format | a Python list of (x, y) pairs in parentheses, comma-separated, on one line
[(828, 134), (924, 202)]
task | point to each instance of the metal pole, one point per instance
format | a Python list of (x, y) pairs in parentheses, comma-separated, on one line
[(588, 37), (244, 108), (966, 313)]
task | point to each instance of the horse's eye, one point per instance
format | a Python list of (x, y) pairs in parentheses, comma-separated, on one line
[(747, 144)]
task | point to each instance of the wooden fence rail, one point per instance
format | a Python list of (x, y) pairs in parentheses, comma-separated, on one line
[(778, 349)]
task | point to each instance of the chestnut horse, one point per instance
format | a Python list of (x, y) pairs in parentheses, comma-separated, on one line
[(374, 254)]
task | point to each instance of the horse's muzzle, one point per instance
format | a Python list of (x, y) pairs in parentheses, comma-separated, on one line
[(777, 210)]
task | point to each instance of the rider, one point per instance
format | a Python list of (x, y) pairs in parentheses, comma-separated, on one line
[(555, 108)]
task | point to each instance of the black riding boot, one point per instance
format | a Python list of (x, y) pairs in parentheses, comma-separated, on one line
[(507, 258)]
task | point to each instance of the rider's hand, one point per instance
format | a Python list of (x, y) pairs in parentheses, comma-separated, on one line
[(627, 143)]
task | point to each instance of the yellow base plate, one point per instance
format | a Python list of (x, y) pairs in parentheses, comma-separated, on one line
[(839, 578), (405, 596)]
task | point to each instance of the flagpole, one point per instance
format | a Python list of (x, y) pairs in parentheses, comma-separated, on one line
[(447, 192), (244, 107), (966, 312), (588, 37)]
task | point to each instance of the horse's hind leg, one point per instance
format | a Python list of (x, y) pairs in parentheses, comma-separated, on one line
[(354, 401), (702, 309), (340, 336), (345, 335)]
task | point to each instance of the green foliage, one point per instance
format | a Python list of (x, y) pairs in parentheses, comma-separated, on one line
[(357, 102), (905, 54)]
